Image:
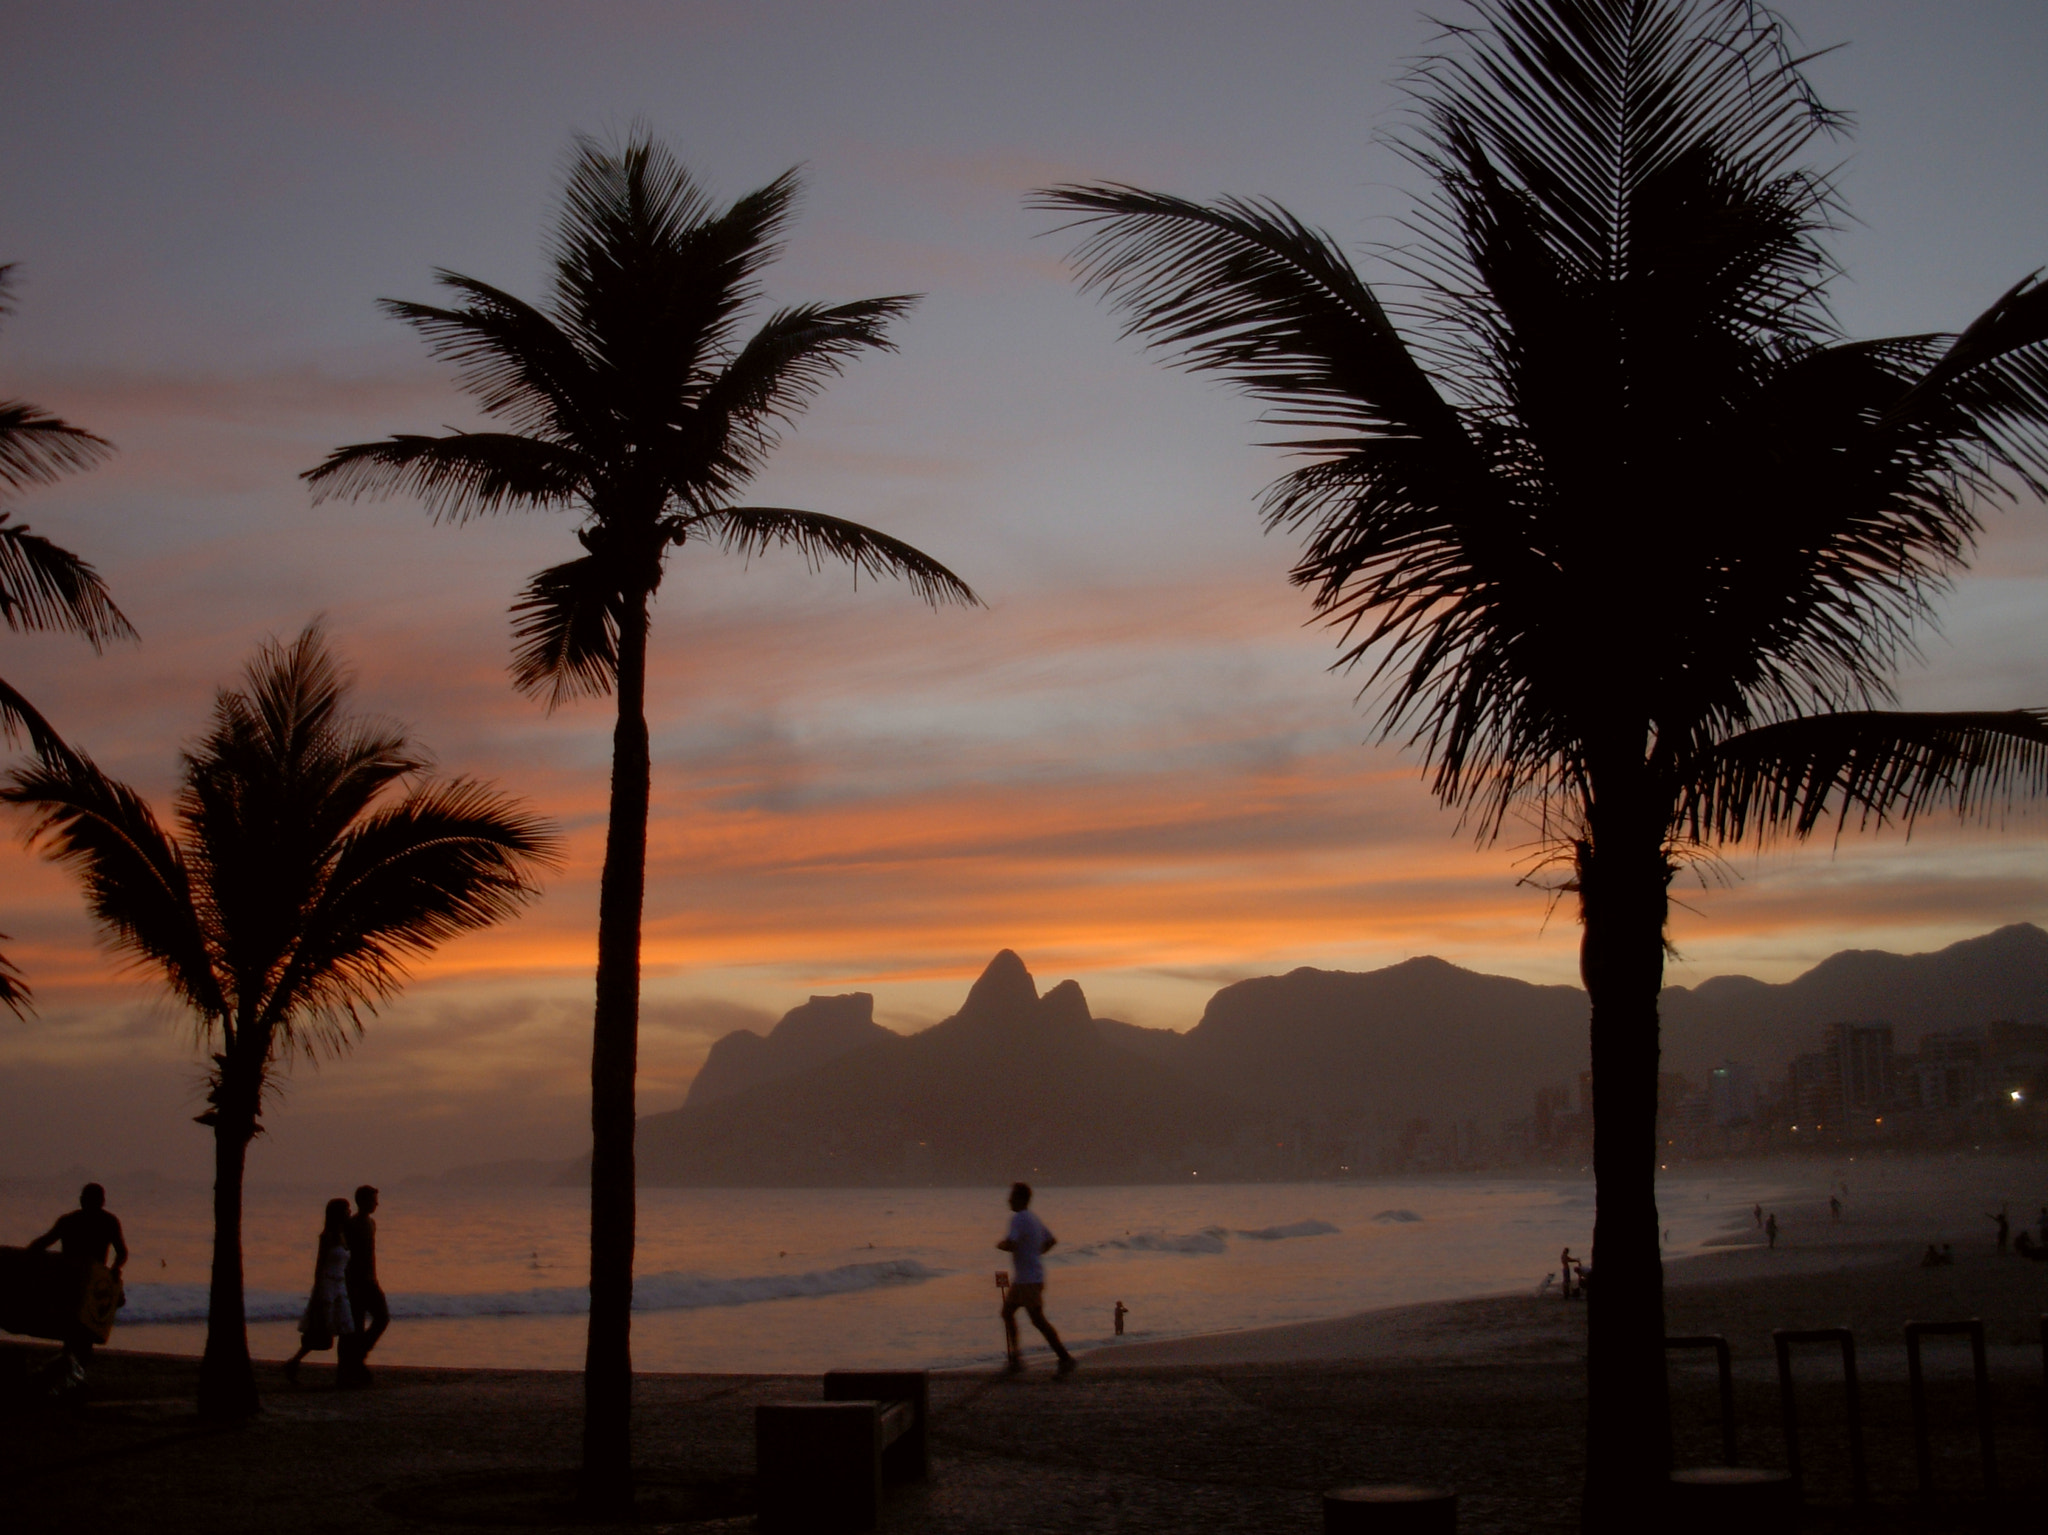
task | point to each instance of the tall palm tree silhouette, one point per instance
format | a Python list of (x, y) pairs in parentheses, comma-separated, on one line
[(1626, 537), (285, 906), (634, 399), (43, 587)]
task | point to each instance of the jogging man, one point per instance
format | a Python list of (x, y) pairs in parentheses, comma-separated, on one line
[(1027, 1243)]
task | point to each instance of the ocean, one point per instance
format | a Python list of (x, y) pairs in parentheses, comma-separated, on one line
[(804, 1280)]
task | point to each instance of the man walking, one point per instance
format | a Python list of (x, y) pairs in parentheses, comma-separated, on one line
[(1027, 1243), (85, 1235), (365, 1295)]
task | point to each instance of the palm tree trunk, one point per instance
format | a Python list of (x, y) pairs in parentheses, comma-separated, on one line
[(227, 1381), (607, 1484), (1623, 882)]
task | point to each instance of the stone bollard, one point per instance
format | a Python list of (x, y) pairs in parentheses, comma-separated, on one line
[(1390, 1510), (1721, 1498)]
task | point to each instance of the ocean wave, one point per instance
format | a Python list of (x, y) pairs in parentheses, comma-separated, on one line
[(1298, 1229), (651, 1292), (1396, 1217), (1207, 1242)]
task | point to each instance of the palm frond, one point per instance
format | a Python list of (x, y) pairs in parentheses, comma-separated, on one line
[(138, 886), (16, 995), (458, 476), (37, 448), (649, 278), (517, 362), (1580, 105), (47, 588), (1875, 766), (565, 631), (448, 859), (751, 530), (20, 717), (784, 365), (1244, 288)]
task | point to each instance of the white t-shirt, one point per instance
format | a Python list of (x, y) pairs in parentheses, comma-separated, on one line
[(1028, 1236)]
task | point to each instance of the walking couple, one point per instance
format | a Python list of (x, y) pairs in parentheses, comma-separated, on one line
[(347, 1305)]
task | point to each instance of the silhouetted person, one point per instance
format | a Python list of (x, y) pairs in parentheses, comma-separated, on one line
[(1834, 1208), (1931, 1259), (1564, 1271), (1771, 1229), (1119, 1314), (327, 1315), (1027, 1242), (86, 1235), (1948, 1252), (365, 1295), (2004, 1227), (1758, 1212)]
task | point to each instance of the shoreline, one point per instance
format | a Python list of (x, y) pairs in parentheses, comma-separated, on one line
[(1226, 1432)]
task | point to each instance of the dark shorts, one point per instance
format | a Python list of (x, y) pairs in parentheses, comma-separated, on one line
[(1024, 1297)]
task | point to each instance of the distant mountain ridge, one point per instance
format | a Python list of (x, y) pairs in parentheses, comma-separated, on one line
[(821, 1030), (1281, 1070)]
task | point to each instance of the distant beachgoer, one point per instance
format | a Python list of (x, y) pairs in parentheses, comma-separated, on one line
[(1771, 1229), (1931, 1259), (1758, 1212), (87, 1233), (1948, 1252), (1119, 1314), (365, 1296), (1584, 1276), (2004, 1227), (1027, 1242), (2023, 1244), (327, 1315), (1834, 1208), (1564, 1271)]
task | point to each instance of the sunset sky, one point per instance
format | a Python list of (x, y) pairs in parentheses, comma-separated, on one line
[(1135, 767)]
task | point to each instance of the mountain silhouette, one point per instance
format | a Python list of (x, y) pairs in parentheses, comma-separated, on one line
[(1014, 1085), (1283, 1074), (2002, 974), (821, 1030)]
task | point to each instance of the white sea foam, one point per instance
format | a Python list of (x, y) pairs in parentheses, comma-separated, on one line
[(651, 1292), (1309, 1228)]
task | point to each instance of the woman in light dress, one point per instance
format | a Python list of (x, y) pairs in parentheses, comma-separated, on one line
[(327, 1311)]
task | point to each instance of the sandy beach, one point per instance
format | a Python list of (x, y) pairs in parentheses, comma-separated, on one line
[(1236, 1431)]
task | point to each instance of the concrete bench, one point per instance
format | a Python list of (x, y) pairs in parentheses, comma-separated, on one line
[(821, 1465)]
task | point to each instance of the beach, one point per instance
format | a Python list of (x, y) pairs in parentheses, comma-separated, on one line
[(1229, 1431)]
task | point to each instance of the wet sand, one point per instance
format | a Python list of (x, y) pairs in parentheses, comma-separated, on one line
[(1234, 1432)]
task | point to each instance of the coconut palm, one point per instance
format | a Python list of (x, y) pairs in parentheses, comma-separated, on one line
[(635, 400), (1625, 536), (311, 861), (43, 588)]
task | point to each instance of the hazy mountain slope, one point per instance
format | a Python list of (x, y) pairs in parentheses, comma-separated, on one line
[(821, 1030), (1419, 1039), (2003, 974)]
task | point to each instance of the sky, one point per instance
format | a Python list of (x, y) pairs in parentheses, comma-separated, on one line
[(1135, 766)]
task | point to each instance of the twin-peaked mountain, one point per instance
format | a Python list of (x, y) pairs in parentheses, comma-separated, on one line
[(1283, 1075), (1011, 1085)]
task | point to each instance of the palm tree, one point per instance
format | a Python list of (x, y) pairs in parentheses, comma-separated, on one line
[(287, 904), (634, 400), (1626, 537), (43, 588)]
